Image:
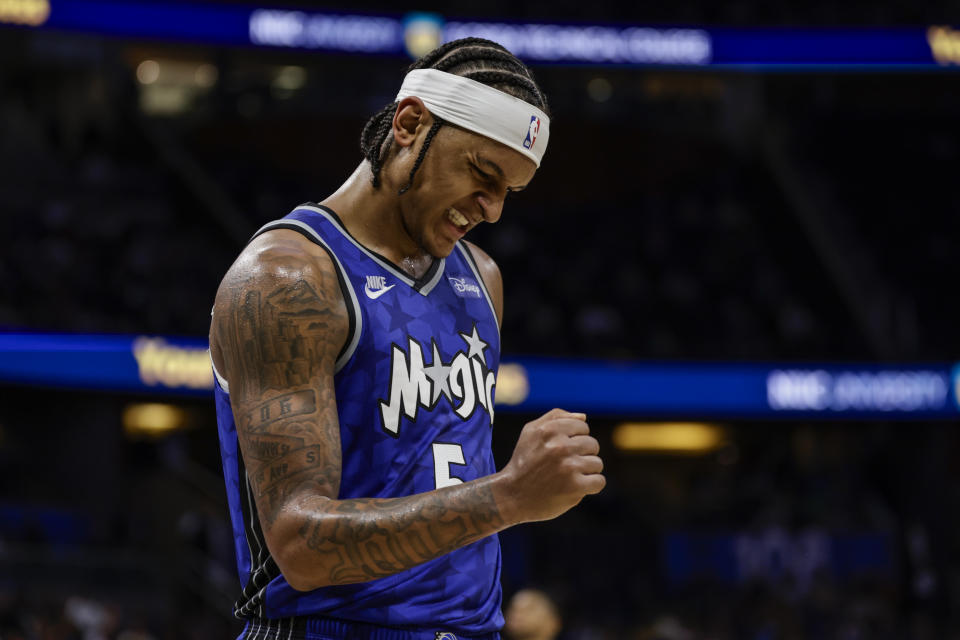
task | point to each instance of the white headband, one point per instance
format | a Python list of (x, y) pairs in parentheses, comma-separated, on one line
[(481, 109)]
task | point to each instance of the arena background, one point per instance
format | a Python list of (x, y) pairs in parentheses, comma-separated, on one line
[(739, 257)]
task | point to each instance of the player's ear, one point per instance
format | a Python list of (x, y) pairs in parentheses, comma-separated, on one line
[(411, 115)]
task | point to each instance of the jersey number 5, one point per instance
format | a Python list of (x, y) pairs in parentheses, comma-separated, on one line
[(445, 455)]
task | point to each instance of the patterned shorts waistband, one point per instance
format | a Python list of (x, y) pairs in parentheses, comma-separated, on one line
[(313, 628)]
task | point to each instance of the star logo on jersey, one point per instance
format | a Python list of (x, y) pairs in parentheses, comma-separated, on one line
[(376, 286), (439, 375), (465, 380), (477, 346)]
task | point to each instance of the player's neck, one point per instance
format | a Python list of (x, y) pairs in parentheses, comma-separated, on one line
[(373, 218)]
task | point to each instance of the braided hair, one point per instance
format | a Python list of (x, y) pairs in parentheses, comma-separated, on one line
[(481, 60)]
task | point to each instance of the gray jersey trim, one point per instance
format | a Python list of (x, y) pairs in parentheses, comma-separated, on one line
[(351, 294), (223, 381), (428, 287), (424, 290)]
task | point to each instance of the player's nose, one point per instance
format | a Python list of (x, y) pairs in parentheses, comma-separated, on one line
[(490, 206)]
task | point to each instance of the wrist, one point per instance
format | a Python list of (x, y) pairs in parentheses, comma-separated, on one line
[(505, 494)]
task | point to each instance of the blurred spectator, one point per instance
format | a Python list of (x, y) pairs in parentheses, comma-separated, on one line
[(532, 615)]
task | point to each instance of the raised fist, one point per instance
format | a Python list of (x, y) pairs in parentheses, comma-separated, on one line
[(554, 465)]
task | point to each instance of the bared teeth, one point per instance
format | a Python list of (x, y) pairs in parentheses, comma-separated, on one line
[(456, 217)]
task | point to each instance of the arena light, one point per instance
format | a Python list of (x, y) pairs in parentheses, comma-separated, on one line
[(30, 13), (289, 78), (148, 72), (168, 86), (422, 32), (152, 419), (205, 75), (944, 45), (667, 437), (513, 386), (599, 89)]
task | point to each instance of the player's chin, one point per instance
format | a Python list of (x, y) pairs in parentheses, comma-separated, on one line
[(441, 246), (442, 253)]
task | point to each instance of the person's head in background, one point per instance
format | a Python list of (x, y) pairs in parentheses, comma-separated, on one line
[(532, 615)]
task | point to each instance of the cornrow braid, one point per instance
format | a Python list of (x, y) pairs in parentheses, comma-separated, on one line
[(377, 128), (430, 59), (437, 123), (465, 54), (481, 60)]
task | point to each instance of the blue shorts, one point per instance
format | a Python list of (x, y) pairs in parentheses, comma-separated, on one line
[(331, 629)]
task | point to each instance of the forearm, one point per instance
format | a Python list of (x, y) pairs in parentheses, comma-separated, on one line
[(348, 541)]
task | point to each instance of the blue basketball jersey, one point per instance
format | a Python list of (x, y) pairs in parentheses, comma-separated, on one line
[(415, 389)]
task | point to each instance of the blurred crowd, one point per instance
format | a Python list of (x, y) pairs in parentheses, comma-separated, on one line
[(85, 617), (791, 231), (665, 247)]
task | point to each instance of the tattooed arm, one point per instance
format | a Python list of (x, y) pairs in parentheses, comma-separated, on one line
[(279, 324)]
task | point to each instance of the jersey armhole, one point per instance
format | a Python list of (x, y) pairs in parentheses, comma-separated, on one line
[(479, 276), (346, 288), (216, 374)]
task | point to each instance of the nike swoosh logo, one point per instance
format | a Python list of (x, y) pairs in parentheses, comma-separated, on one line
[(373, 295)]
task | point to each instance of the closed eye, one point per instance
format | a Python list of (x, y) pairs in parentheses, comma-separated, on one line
[(483, 175)]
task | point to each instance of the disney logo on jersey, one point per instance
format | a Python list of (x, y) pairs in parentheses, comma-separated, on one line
[(376, 286), (465, 380), (464, 287)]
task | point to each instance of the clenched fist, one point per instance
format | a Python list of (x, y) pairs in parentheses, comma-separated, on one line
[(554, 465)]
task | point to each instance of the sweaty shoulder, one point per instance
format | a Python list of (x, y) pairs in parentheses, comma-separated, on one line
[(490, 273), (282, 285)]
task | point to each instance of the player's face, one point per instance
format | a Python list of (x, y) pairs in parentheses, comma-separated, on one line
[(462, 182)]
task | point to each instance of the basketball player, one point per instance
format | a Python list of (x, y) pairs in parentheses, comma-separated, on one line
[(355, 345)]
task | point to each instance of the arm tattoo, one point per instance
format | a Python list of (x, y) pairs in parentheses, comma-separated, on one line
[(279, 323), (282, 407), (359, 540), (280, 328)]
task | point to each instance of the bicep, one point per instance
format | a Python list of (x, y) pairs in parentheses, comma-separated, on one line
[(280, 322)]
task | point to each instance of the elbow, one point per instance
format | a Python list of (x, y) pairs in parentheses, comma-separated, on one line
[(292, 555), (291, 567), (299, 582), (309, 558)]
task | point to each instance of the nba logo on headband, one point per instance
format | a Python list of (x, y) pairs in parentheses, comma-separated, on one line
[(532, 132)]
